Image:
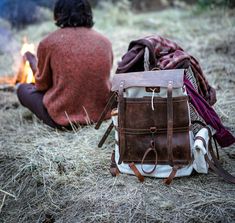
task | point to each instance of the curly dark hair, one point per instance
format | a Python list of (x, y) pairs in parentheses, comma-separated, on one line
[(73, 13)]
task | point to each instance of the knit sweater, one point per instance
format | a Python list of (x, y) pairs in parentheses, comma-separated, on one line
[(73, 70)]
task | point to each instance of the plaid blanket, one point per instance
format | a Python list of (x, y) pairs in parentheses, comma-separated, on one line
[(165, 54)]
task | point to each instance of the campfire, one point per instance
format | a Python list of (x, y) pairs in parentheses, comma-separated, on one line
[(24, 74)]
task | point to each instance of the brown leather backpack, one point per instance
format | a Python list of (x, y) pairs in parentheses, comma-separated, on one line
[(152, 125)]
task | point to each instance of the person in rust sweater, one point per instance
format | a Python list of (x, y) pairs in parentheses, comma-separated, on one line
[(73, 69)]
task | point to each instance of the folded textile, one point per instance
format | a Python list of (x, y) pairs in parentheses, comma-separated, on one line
[(164, 54), (222, 135)]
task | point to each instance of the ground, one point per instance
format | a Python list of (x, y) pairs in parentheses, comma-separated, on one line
[(48, 175)]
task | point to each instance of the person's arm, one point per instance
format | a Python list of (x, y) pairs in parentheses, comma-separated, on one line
[(31, 58), (28, 56), (43, 76)]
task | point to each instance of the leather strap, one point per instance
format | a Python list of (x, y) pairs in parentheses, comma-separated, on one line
[(214, 163), (142, 161), (106, 134), (169, 179), (216, 166), (136, 172), (113, 166), (202, 139), (131, 131), (216, 147), (169, 122), (121, 121), (112, 99), (219, 171)]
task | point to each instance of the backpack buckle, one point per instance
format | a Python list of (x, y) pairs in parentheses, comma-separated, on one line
[(153, 129)]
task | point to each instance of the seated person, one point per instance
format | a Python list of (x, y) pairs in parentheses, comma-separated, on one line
[(73, 69)]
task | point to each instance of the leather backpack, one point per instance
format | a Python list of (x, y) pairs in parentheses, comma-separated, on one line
[(153, 137)]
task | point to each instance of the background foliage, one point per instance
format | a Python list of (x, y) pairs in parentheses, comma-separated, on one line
[(24, 12), (213, 3)]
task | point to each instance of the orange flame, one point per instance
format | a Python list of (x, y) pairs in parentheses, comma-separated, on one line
[(27, 73)]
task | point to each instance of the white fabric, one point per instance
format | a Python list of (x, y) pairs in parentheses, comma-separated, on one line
[(161, 171), (199, 163)]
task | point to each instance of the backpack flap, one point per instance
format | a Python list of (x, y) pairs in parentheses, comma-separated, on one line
[(157, 78), (141, 84)]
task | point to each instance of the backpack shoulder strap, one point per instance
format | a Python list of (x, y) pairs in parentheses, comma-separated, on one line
[(214, 163), (110, 103), (113, 166), (216, 166), (106, 134)]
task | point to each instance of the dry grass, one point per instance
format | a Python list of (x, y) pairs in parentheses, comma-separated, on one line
[(63, 175)]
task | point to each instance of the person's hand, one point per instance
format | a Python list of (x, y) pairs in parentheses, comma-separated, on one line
[(28, 56)]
